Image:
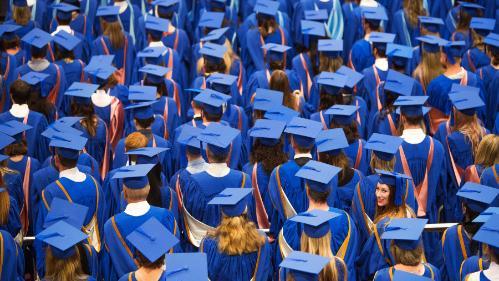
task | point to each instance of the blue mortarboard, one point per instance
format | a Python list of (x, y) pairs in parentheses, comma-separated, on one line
[(213, 51), (397, 180), (101, 60), (399, 83), (233, 201), (211, 19), (489, 233), (2, 158), (14, 128), (317, 15), (152, 239), (147, 155), (5, 141), (8, 31), (81, 92), (315, 222), (34, 78), (37, 38), (275, 52), (68, 146), (108, 13), (218, 137), (61, 238), (492, 40), (266, 7), (399, 54), (281, 113), (411, 106), (380, 39), (304, 131), (134, 176), (142, 93), (101, 71), (405, 232), (470, 8), (152, 52), (374, 13), (332, 82), (318, 175), (142, 110), (431, 43), (483, 25), (431, 24), (400, 275), (66, 40), (384, 146), (69, 212), (20, 3), (156, 26), (487, 214), (63, 125), (221, 82), (304, 266), (216, 36), (454, 49), (313, 28), (266, 99), (165, 6), (155, 73), (212, 101), (330, 47), (479, 197), (186, 267), (466, 99), (64, 10), (268, 132), (188, 136), (342, 114), (331, 141), (353, 77)]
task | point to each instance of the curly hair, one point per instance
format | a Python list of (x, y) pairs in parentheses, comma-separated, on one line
[(269, 156)]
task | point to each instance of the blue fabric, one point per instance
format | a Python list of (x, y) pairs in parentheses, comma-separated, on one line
[(13, 266), (361, 55), (343, 195), (431, 272), (474, 59), (489, 178), (472, 264), (453, 256)]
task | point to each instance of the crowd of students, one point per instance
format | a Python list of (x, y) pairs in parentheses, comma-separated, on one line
[(249, 140)]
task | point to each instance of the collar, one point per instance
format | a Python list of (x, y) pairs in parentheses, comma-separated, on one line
[(381, 63), (66, 28), (101, 98), (19, 110), (196, 166), (218, 170), (123, 5), (196, 115), (157, 44), (458, 75), (73, 174), (137, 209), (368, 3), (413, 136), (492, 271), (38, 64), (303, 155)]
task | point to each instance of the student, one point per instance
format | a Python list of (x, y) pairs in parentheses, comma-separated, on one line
[(475, 57), (402, 238), (427, 26), (338, 236), (66, 56), (25, 16), (129, 15), (461, 28), (235, 249), (486, 155), (305, 266), (428, 65), (11, 55), (279, 81), (10, 220), (487, 74), (399, 58), (489, 176), (13, 257), (327, 91), (404, 22), (120, 260), (81, 19)]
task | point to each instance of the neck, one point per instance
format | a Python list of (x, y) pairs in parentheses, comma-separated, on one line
[(313, 205), (453, 68), (130, 201), (410, 268), (407, 126), (191, 158), (64, 168), (148, 273)]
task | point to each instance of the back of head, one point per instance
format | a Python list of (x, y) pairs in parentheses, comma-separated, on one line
[(237, 235), (115, 33), (20, 91), (63, 269), (488, 151), (322, 247), (21, 15)]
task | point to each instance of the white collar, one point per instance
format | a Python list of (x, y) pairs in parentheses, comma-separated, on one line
[(458, 75), (66, 28), (73, 174), (303, 155), (19, 110), (492, 272), (137, 209), (156, 44), (196, 166), (196, 115), (368, 3), (218, 170), (123, 5), (381, 63), (101, 98), (413, 136), (38, 64)]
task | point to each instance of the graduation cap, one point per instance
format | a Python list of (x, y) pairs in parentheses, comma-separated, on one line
[(216, 36), (211, 20), (213, 52), (8, 31), (221, 82), (166, 6), (142, 93), (396, 180), (63, 125), (431, 43), (331, 141), (275, 52), (478, 197), (213, 4), (81, 92), (152, 239), (142, 110), (14, 128), (154, 73), (492, 40), (470, 8), (281, 113), (69, 212), (108, 13), (431, 24), (384, 146), (411, 106), (188, 137), (405, 232), (147, 155), (318, 175), (134, 176), (20, 3), (489, 233), (315, 222), (331, 82), (399, 83), (381, 39), (186, 267), (66, 40), (101, 60), (330, 47), (266, 99), (100, 71), (399, 54), (466, 99), (482, 26), (5, 140), (64, 10), (400, 275), (212, 101), (453, 49), (152, 52), (156, 26), (313, 28), (353, 77), (317, 15), (304, 266), (266, 7), (37, 38), (61, 238), (342, 114), (68, 146), (233, 201), (218, 137), (487, 214), (37, 79), (268, 132), (304, 131), (374, 15)]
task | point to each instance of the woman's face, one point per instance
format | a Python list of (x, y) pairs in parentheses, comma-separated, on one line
[(382, 194)]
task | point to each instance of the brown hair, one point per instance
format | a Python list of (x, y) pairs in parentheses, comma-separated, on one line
[(477, 40), (237, 235), (351, 131), (63, 269), (322, 247), (378, 163), (4, 207), (488, 151), (89, 120), (330, 64), (136, 194), (269, 156), (413, 9), (429, 68), (115, 33), (279, 82), (317, 196), (412, 121), (464, 19), (469, 126), (20, 91), (407, 257), (209, 67), (266, 25), (16, 148), (342, 161), (391, 210), (21, 15), (145, 263)]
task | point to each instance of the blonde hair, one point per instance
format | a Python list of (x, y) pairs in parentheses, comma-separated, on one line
[(4, 207), (63, 269), (329, 64), (378, 163), (21, 15), (488, 151), (477, 40), (469, 126), (115, 33), (429, 68), (413, 9), (407, 257), (136, 194), (229, 57), (237, 236)]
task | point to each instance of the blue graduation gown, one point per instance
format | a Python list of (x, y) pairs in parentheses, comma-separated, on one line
[(124, 57), (97, 144), (13, 225), (473, 59), (74, 70), (455, 244), (224, 267), (386, 274), (170, 59), (302, 67), (370, 91), (262, 180), (381, 123), (166, 107), (353, 150), (116, 254), (343, 195), (179, 41), (351, 33), (235, 116), (405, 33), (8, 65), (473, 264), (14, 183), (490, 80), (489, 176), (81, 51), (12, 267), (334, 25), (24, 28), (344, 239), (37, 145), (361, 55), (113, 115)]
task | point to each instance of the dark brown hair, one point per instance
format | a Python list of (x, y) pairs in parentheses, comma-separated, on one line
[(269, 156)]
